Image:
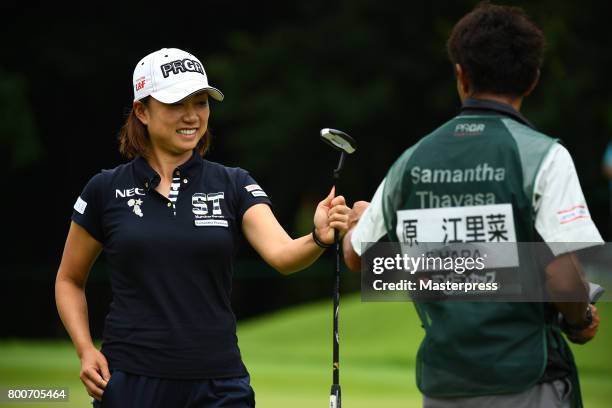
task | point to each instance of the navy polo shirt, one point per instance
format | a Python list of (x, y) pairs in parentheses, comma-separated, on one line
[(170, 268)]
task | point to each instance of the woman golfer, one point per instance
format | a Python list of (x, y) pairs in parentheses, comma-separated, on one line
[(169, 222)]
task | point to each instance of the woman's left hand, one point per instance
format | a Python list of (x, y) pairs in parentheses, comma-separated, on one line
[(332, 213)]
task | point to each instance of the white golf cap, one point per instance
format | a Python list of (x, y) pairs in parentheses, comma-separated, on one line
[(170, 75)]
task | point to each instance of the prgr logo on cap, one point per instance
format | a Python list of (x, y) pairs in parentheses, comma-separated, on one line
[(170, 75), (185, 65)]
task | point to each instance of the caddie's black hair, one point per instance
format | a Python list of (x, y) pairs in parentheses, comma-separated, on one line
[(499, 48)]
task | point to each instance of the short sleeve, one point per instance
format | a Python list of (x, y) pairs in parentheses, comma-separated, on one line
[(87, 211), (562, 215), (371, 225), (248, 193)]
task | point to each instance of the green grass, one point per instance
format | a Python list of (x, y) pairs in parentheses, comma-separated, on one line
[(288, 355)]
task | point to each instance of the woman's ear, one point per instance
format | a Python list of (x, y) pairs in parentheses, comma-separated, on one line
[(141, 112)]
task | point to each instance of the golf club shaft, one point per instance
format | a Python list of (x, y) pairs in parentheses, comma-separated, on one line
[(335, 396), (347, 146), (336, 346), (338, 169)]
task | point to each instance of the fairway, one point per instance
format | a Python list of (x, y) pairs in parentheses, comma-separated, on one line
[(289, 357)]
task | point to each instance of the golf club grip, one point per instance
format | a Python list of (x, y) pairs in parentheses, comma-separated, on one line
[(335, 397)]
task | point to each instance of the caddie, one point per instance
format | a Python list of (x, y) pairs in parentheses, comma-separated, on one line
[(486, 162)]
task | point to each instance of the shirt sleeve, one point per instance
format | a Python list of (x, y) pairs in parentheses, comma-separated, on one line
[(249, 193), (87, 211), (562, 216), (371, 225)]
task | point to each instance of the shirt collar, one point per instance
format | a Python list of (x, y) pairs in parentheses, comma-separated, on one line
[(148, 178), (487, 106)]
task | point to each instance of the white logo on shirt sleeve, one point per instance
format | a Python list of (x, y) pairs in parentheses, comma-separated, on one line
[(80, 205), (572, 214), (255, 190), (252, 187)]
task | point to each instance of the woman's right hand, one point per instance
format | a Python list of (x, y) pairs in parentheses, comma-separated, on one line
[(94, 372)]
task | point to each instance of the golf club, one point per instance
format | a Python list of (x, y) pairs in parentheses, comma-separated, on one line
[(345, 145)]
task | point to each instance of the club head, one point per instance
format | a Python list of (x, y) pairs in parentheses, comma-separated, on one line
[(339, 140)]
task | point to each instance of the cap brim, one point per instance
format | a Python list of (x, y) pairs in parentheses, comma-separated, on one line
[(182, 91)]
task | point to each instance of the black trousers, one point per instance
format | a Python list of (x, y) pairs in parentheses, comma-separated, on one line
[(126, 390)]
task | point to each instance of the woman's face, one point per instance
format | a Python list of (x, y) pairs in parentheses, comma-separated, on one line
[(175, 128)]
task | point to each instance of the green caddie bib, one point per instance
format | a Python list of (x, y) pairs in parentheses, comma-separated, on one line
[(479, 172)]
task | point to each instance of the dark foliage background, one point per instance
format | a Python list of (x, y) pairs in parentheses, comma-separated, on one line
[(375, 69)]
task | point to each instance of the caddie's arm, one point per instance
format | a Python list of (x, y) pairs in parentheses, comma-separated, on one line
[(565, 280), (564, 223)]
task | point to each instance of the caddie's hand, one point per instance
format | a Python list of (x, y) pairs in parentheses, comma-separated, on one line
[(94, 372), (587, 334), (332, 213), (358, 208)]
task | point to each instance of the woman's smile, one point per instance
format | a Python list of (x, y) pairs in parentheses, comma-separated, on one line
[(187, 133)]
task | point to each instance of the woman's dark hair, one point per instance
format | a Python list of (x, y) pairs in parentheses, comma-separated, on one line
[(134, 137), (499, 48)]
